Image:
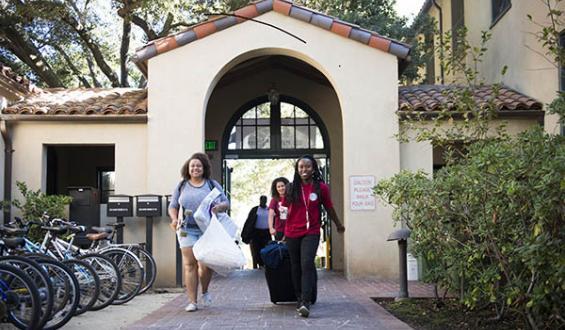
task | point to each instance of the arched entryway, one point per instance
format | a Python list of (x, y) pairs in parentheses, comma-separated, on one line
[(278, 107)]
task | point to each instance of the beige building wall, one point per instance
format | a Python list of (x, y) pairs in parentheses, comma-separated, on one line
[(30, 139), (182, 80), (513, 44)]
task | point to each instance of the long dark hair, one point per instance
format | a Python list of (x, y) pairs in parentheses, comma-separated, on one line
[(203, 158), (294, 193), (274, 192)]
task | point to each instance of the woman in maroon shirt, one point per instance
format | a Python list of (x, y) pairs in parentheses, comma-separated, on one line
[(302, 230), (277, 212)]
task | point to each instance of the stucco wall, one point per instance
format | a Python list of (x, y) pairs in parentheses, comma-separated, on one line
[(29, 157), (513, 44), (416, 156), (365, 80)]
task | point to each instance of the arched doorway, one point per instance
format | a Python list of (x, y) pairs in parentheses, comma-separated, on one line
[(277, 126), (272, 108)]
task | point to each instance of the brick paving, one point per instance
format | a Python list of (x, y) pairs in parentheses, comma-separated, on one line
[(241, 301)]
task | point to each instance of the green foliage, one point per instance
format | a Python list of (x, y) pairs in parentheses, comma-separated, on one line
[(491, 224), (36, 203)]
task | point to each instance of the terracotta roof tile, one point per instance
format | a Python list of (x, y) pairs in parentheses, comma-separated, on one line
[(284, 7), (166, 44), (82, 101), (379, 43), (341, 29), (16, 81), (430, 98), (205, 29), (247, 11)]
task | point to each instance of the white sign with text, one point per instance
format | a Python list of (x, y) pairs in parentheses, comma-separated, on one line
[(361, 189)]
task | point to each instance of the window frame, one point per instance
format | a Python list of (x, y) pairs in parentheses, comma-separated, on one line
[(502, 13), (276, 150), (103, 192)]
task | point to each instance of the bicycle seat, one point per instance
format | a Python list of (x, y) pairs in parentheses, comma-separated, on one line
[(12, 231), (117, 225), (102, 229), (14, 242), (55, 230), (77, 229), (97, 236)]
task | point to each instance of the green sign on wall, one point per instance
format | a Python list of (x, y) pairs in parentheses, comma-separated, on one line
[(211, 145)]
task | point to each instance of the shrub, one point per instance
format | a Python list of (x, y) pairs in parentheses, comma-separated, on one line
[(491, 224)]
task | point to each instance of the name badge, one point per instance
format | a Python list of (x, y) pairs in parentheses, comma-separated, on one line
[(313, 197)]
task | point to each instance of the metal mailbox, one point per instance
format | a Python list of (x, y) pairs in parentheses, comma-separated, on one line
[(120, 206), (148, 206)]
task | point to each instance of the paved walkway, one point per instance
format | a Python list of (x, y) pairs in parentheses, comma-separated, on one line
[(241, 301)]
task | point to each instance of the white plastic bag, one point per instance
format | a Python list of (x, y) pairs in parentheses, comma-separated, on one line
[(203, 213), (217, 250), (227, 223)]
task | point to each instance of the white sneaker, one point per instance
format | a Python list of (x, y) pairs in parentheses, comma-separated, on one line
[(191, 307), (206, 299)]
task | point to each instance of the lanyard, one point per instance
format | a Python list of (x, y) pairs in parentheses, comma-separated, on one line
[(307, 205)]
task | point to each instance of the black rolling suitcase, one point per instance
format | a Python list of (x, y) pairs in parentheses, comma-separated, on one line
[(279, 279)]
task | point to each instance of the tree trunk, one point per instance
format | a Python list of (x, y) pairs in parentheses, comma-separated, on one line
[(124, 51)]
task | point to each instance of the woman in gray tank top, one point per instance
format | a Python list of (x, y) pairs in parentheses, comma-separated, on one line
[(189, 193)]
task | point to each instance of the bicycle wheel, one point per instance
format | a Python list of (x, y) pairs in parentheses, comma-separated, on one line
[(40, 279), (66, 291), (149, 266), (110, 279), (89, 283), (20, 297), (131, 271)]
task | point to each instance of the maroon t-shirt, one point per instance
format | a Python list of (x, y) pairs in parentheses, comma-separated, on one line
[(274, 205), (308, 201)]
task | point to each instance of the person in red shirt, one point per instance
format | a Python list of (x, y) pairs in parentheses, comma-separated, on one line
[(277, 212), (306, 195)]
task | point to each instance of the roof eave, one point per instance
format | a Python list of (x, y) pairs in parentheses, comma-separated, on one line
[(139, 118), (501, 114)]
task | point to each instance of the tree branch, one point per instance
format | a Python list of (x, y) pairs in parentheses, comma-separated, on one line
[(149, 32), (94, 49), (126, 35), (167, 25), (92, 72), (68, 60), (26, 51)]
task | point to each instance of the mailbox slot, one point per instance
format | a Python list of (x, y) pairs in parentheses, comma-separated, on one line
[(148, 206), (120, 206)]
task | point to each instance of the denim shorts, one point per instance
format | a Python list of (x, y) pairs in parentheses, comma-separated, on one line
[(193, 233)]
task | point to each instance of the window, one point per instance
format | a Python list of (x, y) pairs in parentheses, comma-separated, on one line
[(106, 184), (252, 130), (562, 69), (457, 22), (298, 130), (430, 77), (284, 128), (499, 8), (562, 72)]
